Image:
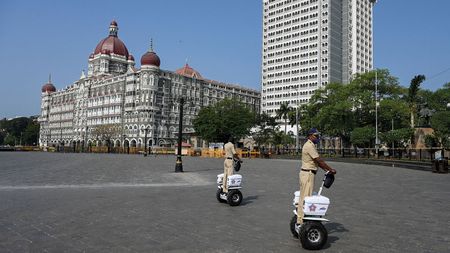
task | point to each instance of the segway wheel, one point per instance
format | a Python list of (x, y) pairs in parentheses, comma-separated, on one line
[(219, 191), (234, 197), (313, 235), (292, 226)]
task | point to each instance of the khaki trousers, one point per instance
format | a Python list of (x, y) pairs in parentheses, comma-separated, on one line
[(227, 171), (306, 179)]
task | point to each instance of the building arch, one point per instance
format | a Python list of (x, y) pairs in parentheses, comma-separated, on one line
[(172, 131), (162, 142)]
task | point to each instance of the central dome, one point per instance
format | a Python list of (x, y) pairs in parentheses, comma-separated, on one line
[(112, 44)]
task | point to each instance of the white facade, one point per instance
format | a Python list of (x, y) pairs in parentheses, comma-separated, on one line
[(115, 93), (310, 43)]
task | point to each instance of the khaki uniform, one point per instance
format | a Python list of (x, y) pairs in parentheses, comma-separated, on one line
[(306, 178), (228, 164)]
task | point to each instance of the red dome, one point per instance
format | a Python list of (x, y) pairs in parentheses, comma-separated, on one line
[(112, 44), (189, 72), (150, 58), (131, 57), (48, 87)]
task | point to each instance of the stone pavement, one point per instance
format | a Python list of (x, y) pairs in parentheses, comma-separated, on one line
[(52, 202)]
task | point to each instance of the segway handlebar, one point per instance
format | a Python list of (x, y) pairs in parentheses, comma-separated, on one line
[(327, 181)]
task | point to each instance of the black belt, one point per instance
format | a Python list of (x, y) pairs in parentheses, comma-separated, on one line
[(230, 158), (313, 171)]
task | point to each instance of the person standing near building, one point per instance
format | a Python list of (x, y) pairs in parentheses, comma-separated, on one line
[(230, 153), (310, 161)]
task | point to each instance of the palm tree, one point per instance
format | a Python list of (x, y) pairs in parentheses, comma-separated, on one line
[(283, 113), (412, 95), (294, 116)]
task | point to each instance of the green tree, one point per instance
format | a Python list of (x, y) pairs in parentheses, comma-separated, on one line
[(2, 136), (331, 110), (393, 113), (283, 113), (412, 97), (227, 118), (306, 117), (399, 137), (439, 99), (363, 136), (31, 134), (431, 141), (265, 127), (294, 116), (280, 138), (19, 130), (440, 122), (338, 109), (17, 126), (10, 140), (104, 133)]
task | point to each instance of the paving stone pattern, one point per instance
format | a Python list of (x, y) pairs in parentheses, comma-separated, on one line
[(52, 202)]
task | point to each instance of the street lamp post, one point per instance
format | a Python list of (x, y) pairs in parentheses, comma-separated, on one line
[(123, 142), (145, 140), (297, 138), (393, 143), (179, 164), (377, 142), (61, 143)]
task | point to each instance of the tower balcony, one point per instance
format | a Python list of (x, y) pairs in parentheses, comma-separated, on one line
[(144, 108)]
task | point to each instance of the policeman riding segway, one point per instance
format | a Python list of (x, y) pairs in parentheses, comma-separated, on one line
[(234, 196), (306, 222), (311, 233), (229, 184)]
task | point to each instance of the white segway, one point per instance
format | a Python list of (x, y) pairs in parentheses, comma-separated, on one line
[(312, 233), (234, 195)]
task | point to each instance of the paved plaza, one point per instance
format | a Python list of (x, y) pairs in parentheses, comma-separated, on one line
[(51, 202)]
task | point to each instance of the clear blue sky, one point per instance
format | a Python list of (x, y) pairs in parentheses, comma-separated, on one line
[(220, 39)]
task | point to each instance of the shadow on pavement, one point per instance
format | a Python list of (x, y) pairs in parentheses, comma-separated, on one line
[(248, 200), (332, 228)]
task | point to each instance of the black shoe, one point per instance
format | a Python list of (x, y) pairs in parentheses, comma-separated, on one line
[(297, 228)]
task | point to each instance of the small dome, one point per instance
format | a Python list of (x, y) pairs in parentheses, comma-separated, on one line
[(189, 72), (131, 57), (48, 87), (113, 23), (91, 56), (150, 58)]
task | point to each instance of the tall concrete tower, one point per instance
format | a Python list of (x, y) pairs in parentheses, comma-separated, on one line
[(310, 43)]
